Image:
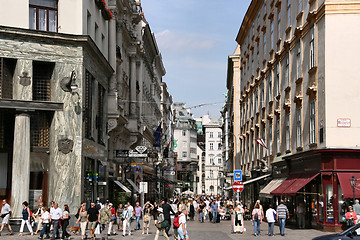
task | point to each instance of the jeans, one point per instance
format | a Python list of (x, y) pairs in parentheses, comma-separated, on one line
[(257, 227), (202, 216), (56, 232), (215, 216), (301, 220), (45, 230), (271, 228), (64, 225), (282, 225), (137, 222)]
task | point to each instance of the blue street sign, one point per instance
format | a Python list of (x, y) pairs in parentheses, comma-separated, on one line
[(237, 175)]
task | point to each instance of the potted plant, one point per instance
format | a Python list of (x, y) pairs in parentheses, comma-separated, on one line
[(101, 4), (107, 14)]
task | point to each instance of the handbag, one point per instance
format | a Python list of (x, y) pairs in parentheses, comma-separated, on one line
[(350, 222), (165, 224), (158, 225), (274, 214), (146, 218)]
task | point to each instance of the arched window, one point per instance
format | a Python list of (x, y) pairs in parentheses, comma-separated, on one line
[(211, 188)]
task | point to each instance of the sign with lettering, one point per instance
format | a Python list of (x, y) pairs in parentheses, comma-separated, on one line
[(344, 122)]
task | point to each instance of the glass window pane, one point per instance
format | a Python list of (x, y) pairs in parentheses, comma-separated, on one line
[(52, 21), (329, 203), (32, 18), (44, 3), (42, 20)]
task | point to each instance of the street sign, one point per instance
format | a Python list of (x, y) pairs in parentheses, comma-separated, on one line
[(143, 187), (137, 169), (237, 175), (139, 152), (122, 153), (238, 186)]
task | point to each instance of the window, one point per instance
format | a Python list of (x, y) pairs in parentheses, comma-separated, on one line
[(298, 60), (270, 139), (258, 18), (262, 94), (300, 6), (40, 129), (219, 134), (287, 129), (211, 160), (211, 146), (312, 48), (264, 7), (42, 73), (184, 154), (312, 122), (219, 146), (184, 144), (100, 116), (279, 23), (263, 138), (219, 160), (264, 45), (272, 35), (43, 15), (256, 101), (270, 86), (277, 86), (287, 72), (257, 54), (298, 128), (211, 134), (211, 188), (251, 106), (88, 113), (278, 136), (211, 174), (289, 12), (7, 67), (184, 133)]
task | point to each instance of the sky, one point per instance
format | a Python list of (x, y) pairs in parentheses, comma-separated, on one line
[(195, 38)]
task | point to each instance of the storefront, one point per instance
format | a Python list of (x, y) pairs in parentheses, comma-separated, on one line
[(321, 180)]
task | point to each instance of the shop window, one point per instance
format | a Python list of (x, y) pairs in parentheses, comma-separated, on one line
[(329, 203), (7, 67), (43, 15), (42, 73), (342, 204)]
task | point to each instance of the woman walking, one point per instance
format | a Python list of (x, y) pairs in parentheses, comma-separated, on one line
[(119, 216), (351, 217), (25, 219), (182, 231), (257, 219), (83, 221), (45, 217), (155, 212), (147, 217), (65, 222), (161, 225), (271, 219)]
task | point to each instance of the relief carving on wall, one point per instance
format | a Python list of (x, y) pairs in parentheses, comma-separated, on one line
[(25, 79), (65, 145)]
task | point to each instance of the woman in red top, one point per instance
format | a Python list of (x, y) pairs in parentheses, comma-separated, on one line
[(351, 215)]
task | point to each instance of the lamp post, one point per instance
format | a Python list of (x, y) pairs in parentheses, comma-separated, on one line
[(353, 181)]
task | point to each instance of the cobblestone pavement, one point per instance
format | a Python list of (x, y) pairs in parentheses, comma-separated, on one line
[(202, 231)]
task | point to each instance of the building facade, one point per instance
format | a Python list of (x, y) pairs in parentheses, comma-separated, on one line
[(185, 145), (287, 99)]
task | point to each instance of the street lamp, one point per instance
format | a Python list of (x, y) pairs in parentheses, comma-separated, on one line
[(353, 181)]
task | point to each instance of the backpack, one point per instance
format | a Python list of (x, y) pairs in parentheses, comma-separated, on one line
[(256, 216), (176, 222)]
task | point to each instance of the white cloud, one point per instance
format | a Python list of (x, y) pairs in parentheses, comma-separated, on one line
[(168, 40)]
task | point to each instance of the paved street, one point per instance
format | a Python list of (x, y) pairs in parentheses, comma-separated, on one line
[(207, 231)]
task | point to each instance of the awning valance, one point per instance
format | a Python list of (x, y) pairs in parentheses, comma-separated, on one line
[(265, 192), (257, 179), (294, 183), (122, 186), (347, 189)]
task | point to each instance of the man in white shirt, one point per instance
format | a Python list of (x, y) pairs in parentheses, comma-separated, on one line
[(131, 214), (182, 231), (5, 215), (270, 217), (56, 214)]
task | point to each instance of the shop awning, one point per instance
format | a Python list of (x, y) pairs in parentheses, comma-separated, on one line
[(136, 188), (294, 183), (122, 186), (346, 187), (257, 179), (265, 192), (299, 183)]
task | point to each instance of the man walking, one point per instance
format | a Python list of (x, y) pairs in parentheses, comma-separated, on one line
[(105, 215), (5, 215), (55, 218), (131, 214), (270, 217), (138, 211), (214, 210), (126, 215), (92, 218), (167, 209), (300, 213), (282, 214), (182, 231)]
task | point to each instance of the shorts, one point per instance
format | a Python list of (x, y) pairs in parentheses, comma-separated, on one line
[(6, 219), (91, 225), (181, 234)]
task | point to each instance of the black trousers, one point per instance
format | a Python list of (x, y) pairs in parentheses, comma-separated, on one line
[(64, 225)]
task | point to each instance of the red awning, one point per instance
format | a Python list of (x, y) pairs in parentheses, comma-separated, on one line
[(287, 183), (294, 183), (299, 183), (344, 179)]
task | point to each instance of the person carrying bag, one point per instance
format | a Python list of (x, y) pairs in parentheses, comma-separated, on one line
[(161, 225)]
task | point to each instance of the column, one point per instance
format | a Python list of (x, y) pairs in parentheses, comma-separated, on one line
[(132, 85), (21, 165), (141, 88)]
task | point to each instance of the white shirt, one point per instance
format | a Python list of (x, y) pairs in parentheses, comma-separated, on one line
[(5, 209), (56, 214), (207, 204), (182, 220), (46, 217), (270, 215), (130, 210)]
